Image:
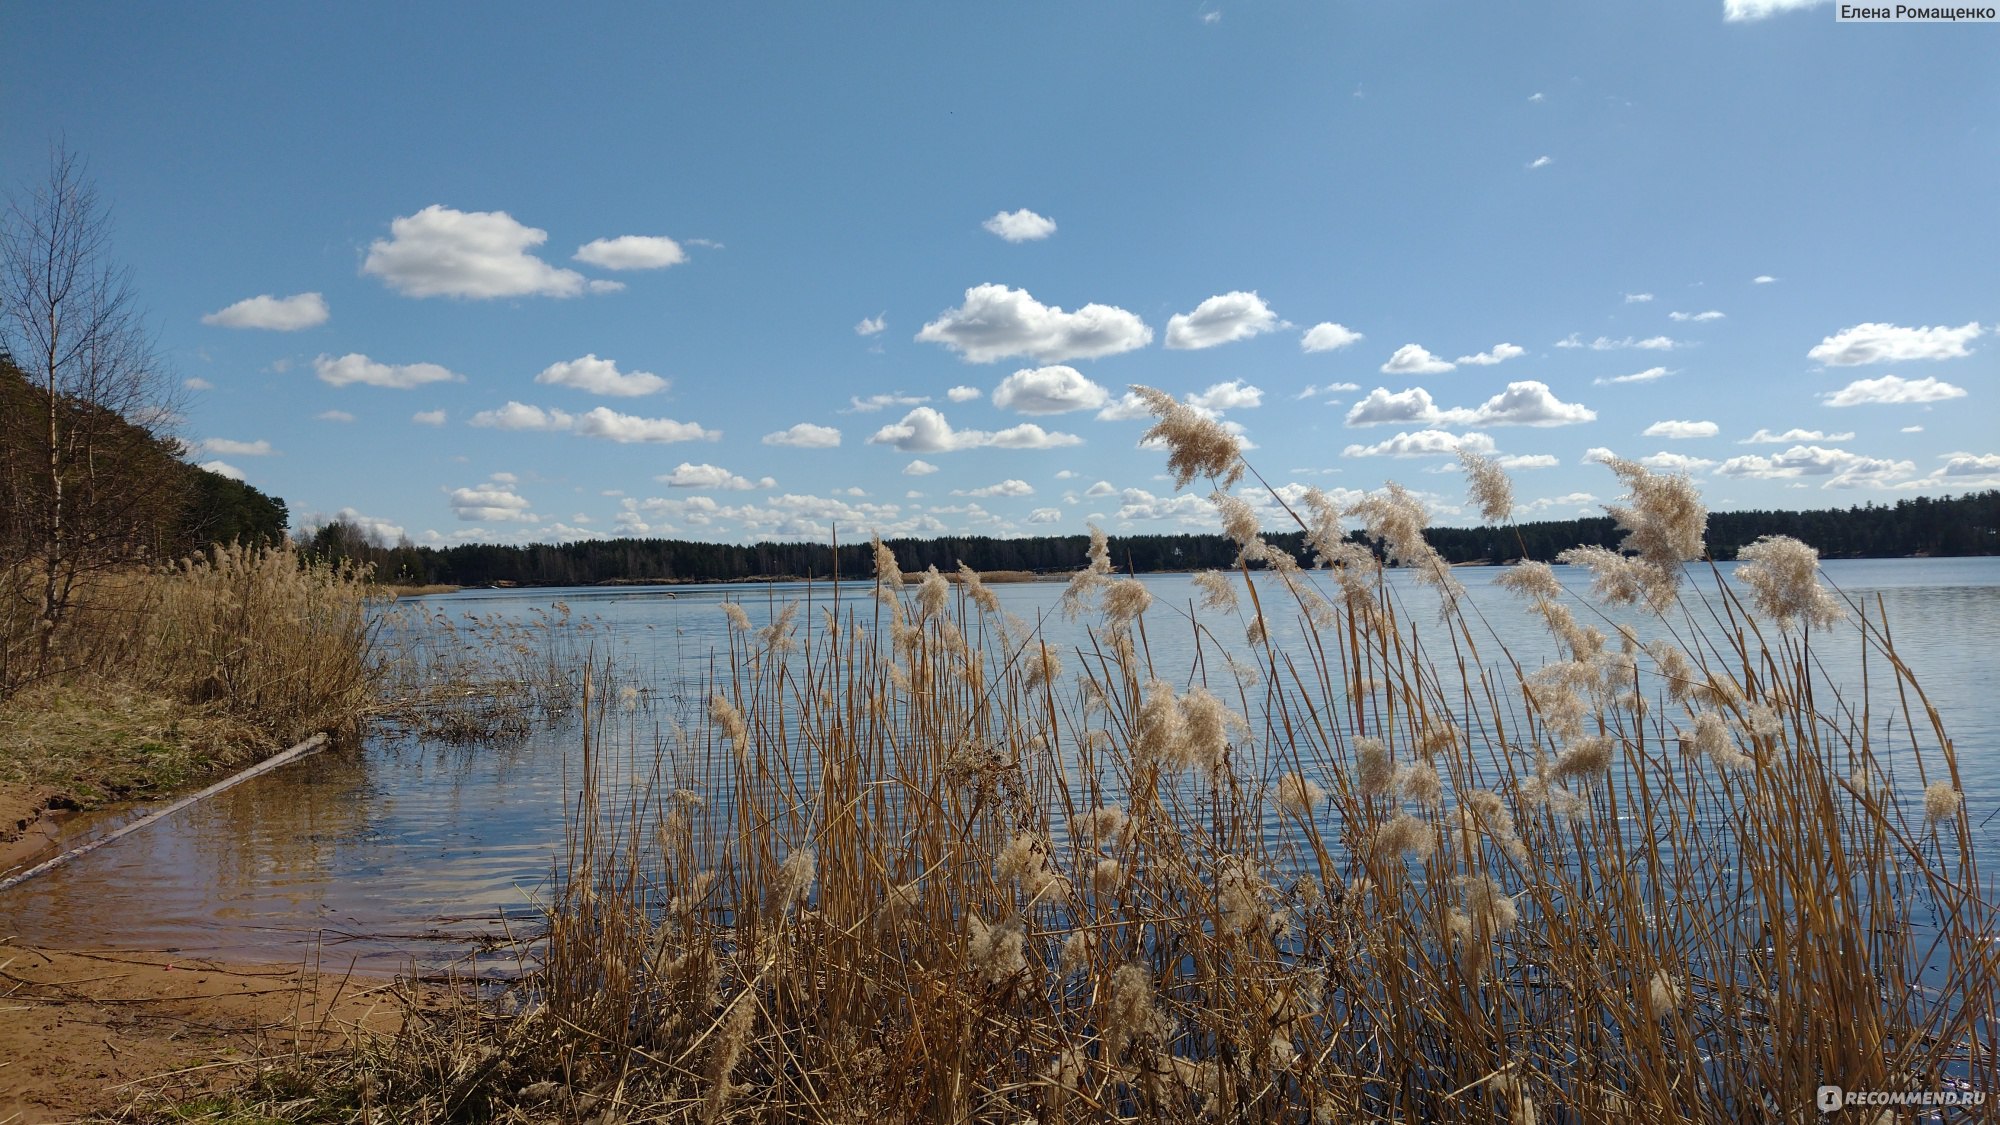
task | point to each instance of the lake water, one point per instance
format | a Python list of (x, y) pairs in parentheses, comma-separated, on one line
[(401, 853)]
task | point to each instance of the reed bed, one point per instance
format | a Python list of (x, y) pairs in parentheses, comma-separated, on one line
[(916, 864), (257, 635)]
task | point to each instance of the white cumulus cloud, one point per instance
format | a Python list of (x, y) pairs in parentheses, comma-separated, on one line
[(1045, 515), (491, 501), (1413, 359), (1841, 468), (1524, 403), (428, 417), (1498, 353), (521, 416), (1646, 376), (996, 322), (1541, 162), (1607, 344), (443, 252), (1233, 395), (632, 252), (858, 405), (334, 416), (1326, 336), (1004, 488), (919, 468), (805, 435), (1676, 463), (277, 314), (1219, 320), (924, 430), (1020, 226), (229, 447), (222, 469), (1423, 443), (1679, 429), (600, 377), (1527, 461), (1696, 317), (870, 325), (1888, 343), (688, 475), (1637, 298), (963, 394), (1046, 390), (1792, 437), (356, 368), (603, 422), (1894, 389)]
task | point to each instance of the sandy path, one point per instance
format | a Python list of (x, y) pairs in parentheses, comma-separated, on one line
[(88, 1031)]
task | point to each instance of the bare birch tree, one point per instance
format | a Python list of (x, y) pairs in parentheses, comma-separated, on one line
[(87, 486)]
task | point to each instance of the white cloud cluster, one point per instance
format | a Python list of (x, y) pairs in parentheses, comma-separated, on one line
[(1498, 353), (1219, 320), (1894, 390), (222, 469), (919, 468), (1004, 488), (1326, 336), (805, 435), (1792, 437), (870, 325), (600, 377), (276, 314), (493, 501), (356, 368), (1888, 343), (996, 322), (602, 423), (787, 516), (1423, 443), (1841, 468), (924, 430), (858, 405), (428, 417), (1680, 430), (1646, 376), (1233, 395), (1020, 226), (1676, 463), (1711, 314), (1607, 344), (963, 394), (1524, 403), (632, 252), (1637, 298), (1414, 359), (443, 252), (1047, 390), (231, 448), (687, 475)]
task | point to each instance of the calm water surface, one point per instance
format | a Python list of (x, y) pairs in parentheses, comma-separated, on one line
[(400, 852)]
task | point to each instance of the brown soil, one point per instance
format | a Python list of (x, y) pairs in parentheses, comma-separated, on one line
[(28, 829), (85, 1032)]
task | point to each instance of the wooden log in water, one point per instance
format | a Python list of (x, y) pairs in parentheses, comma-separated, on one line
[(267, 765)]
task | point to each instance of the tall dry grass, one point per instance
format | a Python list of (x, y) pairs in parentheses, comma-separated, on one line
[(259, 634), (919, 865)]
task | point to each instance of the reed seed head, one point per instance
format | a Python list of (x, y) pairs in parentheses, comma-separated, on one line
[(1491, 490), (1196, 445), (1782, 574), (1942, 801)]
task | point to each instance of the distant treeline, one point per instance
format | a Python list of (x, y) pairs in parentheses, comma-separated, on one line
[(1964, 525)]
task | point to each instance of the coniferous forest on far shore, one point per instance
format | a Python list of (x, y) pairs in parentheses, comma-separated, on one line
[(1914, 526)]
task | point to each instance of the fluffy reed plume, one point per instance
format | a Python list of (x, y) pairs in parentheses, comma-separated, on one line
[(1084, 584), (1397, 520), (1298, 795), (1490, 488), (738, 619), (1196, 445), (1942, 801), (1782, 574), (1217, 592), (1374, 770)]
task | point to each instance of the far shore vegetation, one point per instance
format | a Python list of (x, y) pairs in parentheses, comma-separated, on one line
[(1912, 526)]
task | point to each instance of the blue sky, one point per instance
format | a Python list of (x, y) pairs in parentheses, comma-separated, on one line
[(500, 273)]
